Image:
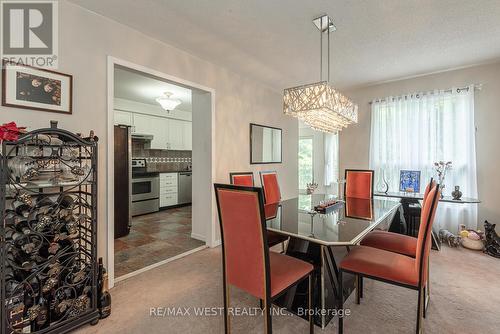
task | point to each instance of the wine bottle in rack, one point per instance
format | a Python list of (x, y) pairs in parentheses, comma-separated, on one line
[(100, 283), (43, 310), (27, 325), (105, 298), (23, 227)]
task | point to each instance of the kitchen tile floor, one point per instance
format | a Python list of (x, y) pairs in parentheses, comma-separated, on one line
[(153, 238)]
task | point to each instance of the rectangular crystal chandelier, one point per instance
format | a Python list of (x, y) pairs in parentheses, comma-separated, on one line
[(320, 105)]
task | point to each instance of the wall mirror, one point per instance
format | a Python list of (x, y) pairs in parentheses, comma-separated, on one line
[(265, 144)]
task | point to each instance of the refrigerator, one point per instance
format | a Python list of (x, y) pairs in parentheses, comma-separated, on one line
[(123, 180)]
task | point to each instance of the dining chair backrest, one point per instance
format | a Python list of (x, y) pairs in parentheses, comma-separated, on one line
[(242, 224), (242, 179), (269, 181), (428, 188), (358, 183), (425, 230)]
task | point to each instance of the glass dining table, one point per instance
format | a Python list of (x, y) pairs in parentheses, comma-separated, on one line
[(323, 240)]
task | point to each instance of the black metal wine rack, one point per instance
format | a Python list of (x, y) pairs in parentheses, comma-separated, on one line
[(48, 202)]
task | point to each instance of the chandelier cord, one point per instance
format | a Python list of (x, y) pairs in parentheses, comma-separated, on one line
[(328, 55), (321, 50)]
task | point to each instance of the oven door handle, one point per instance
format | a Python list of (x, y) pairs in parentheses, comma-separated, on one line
[(145, 179)]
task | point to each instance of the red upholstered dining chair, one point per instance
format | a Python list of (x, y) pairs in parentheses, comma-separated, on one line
[(397, 243), (246, 179), (358, 183), (241, 179), (269, 181), (247, 262), (394, 268)]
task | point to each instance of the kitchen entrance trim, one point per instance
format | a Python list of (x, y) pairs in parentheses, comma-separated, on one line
[(203, 177)]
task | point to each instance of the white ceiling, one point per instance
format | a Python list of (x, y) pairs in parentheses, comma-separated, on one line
[(275, 41), (140, 87)]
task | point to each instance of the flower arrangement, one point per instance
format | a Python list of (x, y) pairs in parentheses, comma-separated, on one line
[(442, 168), (10, 131), (311, 187)]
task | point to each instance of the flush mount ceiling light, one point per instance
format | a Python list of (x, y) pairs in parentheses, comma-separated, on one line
[(319, 104), (167, 102)]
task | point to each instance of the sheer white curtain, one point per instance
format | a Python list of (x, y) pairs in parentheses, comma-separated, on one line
[(331, 144), (414, 131)]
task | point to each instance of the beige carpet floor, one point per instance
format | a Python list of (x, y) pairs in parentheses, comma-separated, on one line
[(465, 299)]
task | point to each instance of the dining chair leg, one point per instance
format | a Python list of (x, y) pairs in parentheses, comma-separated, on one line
[(424, 307), (358, 287), (420, 307), (310, 292), (428, 279), (268, 329), (341, 305)]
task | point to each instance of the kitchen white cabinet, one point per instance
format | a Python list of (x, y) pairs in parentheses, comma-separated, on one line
[(168, 189), (123, 118), (142, 123), (168, 133), (188, 135), (175, 134), (160, 131)]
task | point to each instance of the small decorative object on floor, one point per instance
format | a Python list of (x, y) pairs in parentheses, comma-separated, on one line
[(472, 239), (441, 169), (492, 246), (311, 187), (448, 237), (10, 131), (457, 194)]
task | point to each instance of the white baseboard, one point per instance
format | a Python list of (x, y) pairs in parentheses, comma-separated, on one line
[(198, 237), (217, 242), (140, 271)]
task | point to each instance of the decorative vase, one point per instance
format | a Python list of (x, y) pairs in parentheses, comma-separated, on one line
[(457, 194), (382, 185), (442, 190)]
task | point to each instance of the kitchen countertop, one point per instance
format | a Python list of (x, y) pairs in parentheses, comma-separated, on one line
[(176, 171), (156, 173)]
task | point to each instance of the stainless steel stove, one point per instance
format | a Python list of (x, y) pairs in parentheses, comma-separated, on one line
[(145, 189)]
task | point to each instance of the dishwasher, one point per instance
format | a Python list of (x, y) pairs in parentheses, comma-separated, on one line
[(184, 188)]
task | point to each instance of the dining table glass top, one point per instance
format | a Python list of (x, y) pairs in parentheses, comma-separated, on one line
[(346, 225)]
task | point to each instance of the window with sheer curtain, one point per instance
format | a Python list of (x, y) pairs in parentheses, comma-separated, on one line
[(414, 131)]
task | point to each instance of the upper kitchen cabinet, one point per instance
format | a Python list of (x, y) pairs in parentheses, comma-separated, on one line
[(160, 131), (142, 123), (168, 133), (175, 134), (123, 118), (188, 135)]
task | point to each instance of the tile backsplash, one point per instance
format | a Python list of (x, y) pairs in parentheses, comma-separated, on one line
[(161, 160)]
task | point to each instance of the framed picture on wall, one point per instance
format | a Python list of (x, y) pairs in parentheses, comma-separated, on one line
[(35, 88), (409, 181)]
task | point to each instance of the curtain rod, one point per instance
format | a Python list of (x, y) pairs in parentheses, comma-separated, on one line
[(417, 95)]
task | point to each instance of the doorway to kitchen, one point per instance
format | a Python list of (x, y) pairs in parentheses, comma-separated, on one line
[(156, 163)]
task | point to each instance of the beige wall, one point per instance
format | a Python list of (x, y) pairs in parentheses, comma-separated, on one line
[(85, 41), (355, 140)]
